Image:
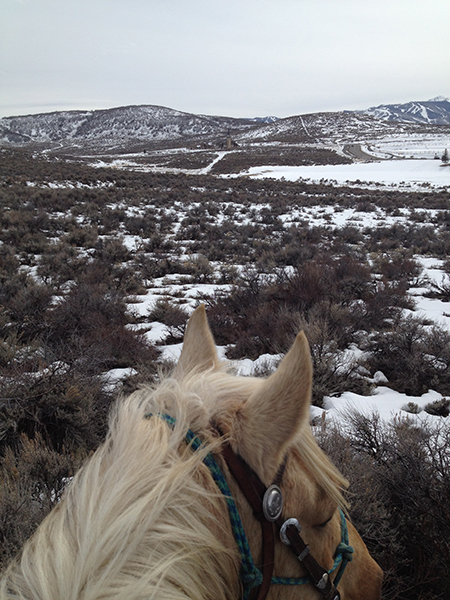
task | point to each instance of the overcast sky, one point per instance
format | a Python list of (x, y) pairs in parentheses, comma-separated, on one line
[(239, 58)]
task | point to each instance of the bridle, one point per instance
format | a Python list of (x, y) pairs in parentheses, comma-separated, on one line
[(267, 506)]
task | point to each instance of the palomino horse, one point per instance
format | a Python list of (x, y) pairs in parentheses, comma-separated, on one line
[(167, 507)]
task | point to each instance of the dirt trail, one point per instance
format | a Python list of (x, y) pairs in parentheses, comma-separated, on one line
[(207, 169)]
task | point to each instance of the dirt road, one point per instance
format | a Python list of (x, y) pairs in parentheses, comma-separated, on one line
[(355, 151)]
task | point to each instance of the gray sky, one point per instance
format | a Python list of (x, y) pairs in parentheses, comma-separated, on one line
[(239, 58)]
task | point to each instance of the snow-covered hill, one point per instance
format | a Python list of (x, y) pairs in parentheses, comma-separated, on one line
[(139, 128), (116, 126), (315, 127), (434, 112)]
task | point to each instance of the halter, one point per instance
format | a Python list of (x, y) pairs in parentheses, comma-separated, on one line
[(267, 505)]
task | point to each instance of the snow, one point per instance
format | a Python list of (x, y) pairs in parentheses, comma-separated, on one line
[(207, 169), (400, 173), (431, 308), (173, 352), (112, 377), (407, 173), (247, 367), (156, 333), (132, 242), (425, 146), (411, 174), (384, 402), (330, 216)]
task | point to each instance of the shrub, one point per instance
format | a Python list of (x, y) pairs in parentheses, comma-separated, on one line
[(413, 358), (31, 482), (397, 266), (118, 278), (59, 264), (112, 251), (172, 315), (88, 328), (400, 484), (83, 237), (439, 408), (228, 274), (334, 372), (66, 408), (440, 290), (26, 305), (412, 407), (201, 269)]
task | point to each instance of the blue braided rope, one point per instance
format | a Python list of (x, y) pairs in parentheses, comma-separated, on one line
[(250, 575), (344, 552)]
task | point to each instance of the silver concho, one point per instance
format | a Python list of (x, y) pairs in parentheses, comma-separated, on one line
[(273, 503)]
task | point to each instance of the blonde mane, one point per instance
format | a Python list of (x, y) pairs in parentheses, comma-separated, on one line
[(143, 498)]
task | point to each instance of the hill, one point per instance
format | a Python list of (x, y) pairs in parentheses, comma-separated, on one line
[(431, 112), (123, 127)]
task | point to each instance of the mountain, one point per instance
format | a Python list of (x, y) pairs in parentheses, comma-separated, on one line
[(433, 112), (264, 119), (148, 127), (119, 127)]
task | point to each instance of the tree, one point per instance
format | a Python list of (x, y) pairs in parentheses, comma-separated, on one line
[(445, 158)]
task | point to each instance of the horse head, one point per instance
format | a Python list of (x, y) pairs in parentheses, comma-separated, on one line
[(267, 424), (154, 512)]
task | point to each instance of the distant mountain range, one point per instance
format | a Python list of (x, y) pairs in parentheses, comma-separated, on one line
[(432, 112), (132, 128)]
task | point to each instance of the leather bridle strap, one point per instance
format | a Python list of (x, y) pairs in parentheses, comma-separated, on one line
[(254, 491), (319, 575)]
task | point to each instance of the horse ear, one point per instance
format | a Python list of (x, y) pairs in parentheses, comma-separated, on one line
[(273, 415), (199, 350)]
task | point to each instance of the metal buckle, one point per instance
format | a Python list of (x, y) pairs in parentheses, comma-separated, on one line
[(272, 503), (286, 524), (323, 582)]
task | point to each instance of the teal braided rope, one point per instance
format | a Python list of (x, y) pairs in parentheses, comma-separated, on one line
[(344, 552), (250, 575)]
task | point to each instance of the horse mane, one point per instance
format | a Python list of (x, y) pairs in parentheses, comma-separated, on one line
[(143, 518), (328, 478)]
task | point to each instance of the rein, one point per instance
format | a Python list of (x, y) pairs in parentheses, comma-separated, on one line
[(267, 504)]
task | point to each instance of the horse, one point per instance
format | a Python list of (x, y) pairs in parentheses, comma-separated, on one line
[(164, 507)]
